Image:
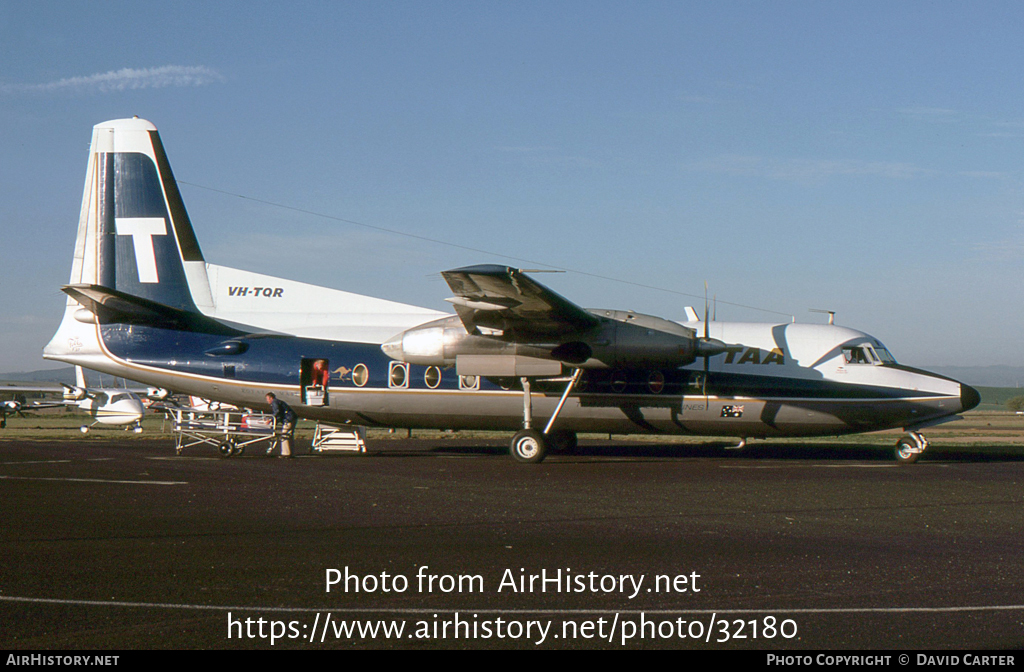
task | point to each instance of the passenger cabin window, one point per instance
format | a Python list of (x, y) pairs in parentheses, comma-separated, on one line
[(360, 375), (432, 377), (399, 375)]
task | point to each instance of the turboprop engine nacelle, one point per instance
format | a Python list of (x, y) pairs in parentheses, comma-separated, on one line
[(441, 342), (621, 339)]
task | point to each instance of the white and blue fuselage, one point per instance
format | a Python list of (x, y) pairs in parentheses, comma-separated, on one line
[(145, 305)]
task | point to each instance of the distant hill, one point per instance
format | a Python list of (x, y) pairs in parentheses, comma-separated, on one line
[(62, 375), (66, 375), (995, 398), (984, 376)]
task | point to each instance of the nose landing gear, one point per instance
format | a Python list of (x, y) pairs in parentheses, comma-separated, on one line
[(910, 447)]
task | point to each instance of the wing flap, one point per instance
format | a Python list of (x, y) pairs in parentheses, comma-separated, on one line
[(505, 298)]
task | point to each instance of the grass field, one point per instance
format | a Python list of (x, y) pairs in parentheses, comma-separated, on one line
[(994, 398)]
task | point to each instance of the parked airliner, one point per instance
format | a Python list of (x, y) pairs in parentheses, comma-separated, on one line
[(144, 303)]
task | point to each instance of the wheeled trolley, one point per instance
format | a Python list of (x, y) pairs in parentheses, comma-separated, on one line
[(230, 431)]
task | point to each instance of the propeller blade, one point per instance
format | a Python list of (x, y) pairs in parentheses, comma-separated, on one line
[(707, 367), (707, 355), (705, 312)]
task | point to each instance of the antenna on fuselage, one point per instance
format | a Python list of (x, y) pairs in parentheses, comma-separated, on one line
[(831, 314)]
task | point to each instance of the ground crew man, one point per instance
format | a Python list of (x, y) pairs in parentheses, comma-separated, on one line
[(284, 419)]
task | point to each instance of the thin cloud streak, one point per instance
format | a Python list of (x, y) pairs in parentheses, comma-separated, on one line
[(125, 79)]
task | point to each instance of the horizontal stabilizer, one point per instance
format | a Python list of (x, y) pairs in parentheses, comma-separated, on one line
[(114, 307)]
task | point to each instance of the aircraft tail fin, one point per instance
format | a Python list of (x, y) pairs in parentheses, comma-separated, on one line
[(137, 262), (134, 235)]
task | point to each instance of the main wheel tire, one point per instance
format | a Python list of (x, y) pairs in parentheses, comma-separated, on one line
[(528, 446), (907, 451), (562, 441), (227, 448)]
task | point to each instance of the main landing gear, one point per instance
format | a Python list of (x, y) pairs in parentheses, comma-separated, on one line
[(910, 447), (528, 446), (531, 446)]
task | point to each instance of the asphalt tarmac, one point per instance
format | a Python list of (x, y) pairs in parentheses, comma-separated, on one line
[(119, 544)]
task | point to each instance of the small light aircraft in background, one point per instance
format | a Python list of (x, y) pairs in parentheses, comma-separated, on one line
[(11, 407), (112, 406)]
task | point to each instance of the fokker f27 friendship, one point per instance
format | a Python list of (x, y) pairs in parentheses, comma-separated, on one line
[(143, 303)]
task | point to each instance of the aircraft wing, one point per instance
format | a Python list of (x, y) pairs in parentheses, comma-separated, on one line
[(504, 298), (31, 387), (37, 405)]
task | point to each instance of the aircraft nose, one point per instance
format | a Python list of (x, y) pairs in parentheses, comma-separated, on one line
[(969, 397)]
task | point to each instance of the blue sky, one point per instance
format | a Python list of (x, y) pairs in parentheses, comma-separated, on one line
[(858, 157)]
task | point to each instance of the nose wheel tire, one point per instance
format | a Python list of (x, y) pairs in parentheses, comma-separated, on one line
[(528, 446), (910, 448), (906, 452)]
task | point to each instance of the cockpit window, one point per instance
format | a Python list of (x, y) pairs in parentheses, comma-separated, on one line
[(867, 354), (884, 355), (855, 354)]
